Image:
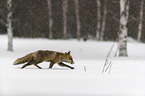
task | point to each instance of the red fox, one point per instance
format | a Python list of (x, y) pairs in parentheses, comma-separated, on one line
[(48, 56)]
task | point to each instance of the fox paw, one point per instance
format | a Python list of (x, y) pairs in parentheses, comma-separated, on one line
[(72, 68)]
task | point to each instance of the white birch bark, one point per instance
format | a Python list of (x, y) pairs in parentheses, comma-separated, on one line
[(50, 19), (98, 20), (9, 25), (124, 13), (77, 18), (65, 6), (104, 19), (140, 22)]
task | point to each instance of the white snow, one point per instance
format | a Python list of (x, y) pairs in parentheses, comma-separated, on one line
[(127, 77)]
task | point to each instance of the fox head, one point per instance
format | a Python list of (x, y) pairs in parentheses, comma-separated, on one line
[(67, 58)]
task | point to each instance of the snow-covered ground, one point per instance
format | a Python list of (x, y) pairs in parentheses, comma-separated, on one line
[(127, 76)]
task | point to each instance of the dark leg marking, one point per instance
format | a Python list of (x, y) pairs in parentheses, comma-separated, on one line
[(28, 64), (37, 66), (32, 62), (64, 65), (51, 64)]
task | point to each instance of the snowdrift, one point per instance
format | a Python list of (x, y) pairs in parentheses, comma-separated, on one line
[(126, 77)]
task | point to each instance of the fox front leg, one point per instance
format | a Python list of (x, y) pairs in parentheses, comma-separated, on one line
[(51, 64), (64, 65)]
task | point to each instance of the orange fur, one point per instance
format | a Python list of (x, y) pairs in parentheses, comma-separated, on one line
[(45, 55)]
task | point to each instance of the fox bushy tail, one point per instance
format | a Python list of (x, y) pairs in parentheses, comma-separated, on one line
[(23, 59)]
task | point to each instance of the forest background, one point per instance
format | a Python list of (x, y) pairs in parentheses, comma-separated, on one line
[(31, 19)]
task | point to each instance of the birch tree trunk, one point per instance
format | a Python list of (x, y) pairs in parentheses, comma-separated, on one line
[(9, 25), (140, 22), (104, 19), (98, 20), (77, 19), (124, 13), (65, 6), (50, 19)]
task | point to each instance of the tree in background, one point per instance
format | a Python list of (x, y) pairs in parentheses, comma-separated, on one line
[(9, 25), (98, 20), (3, 16), (31, 19), (103, 20), (140, 21), (65, 5), (124, 14), (50, 19), (77, 18)]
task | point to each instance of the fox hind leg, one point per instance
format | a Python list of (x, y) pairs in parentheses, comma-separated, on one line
[(35, 62), (31, 63), (28, 64), (37, 66), (64, 65)]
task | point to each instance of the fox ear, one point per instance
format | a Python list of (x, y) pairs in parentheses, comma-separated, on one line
[(68, 53)]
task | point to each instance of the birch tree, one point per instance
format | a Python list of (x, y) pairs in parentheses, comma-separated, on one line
[(77, 18), (9, 25), (103, 20), (124, 13), (50, 19), (140, 21), (98, 20), (65, 6)]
